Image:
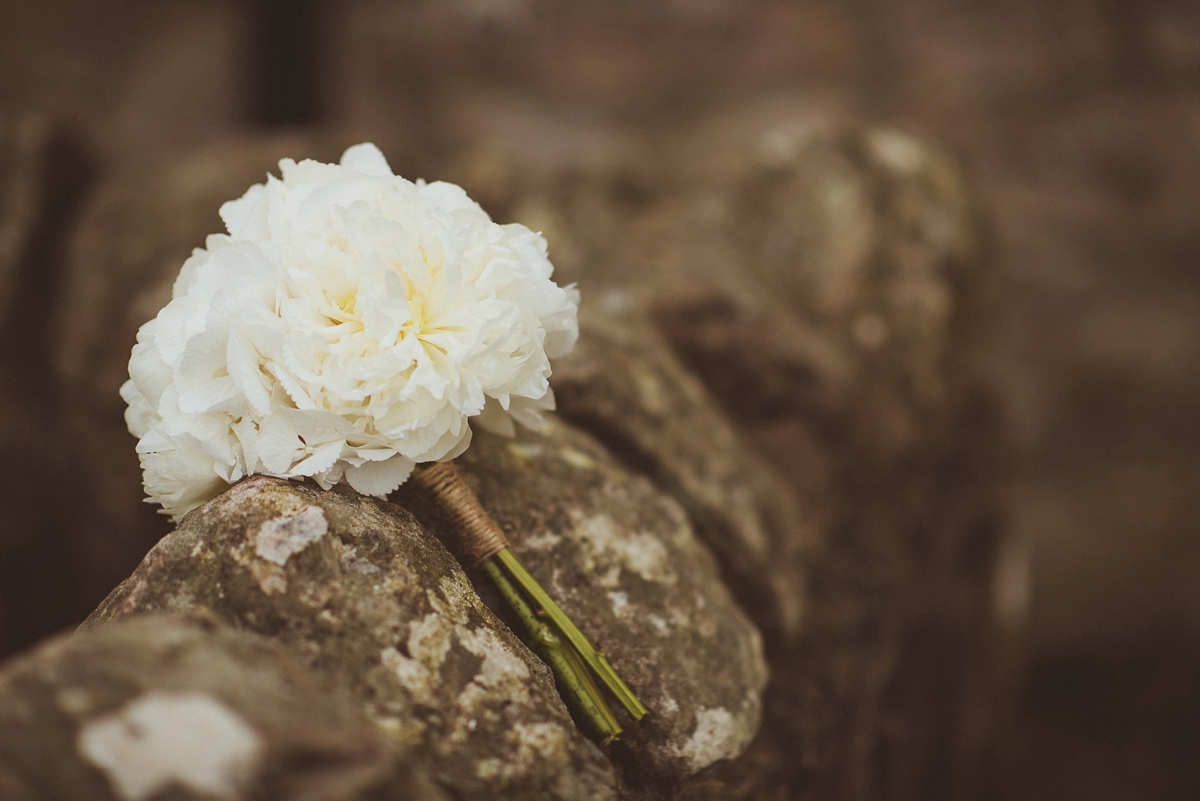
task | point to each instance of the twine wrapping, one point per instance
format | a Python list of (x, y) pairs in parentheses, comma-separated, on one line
[(469, 531)]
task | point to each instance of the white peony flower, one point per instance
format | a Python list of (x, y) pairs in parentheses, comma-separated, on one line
[(345, 329)]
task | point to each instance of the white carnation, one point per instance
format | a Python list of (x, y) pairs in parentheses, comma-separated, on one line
[(345, 329)]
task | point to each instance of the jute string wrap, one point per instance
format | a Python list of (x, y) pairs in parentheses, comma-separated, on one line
[(470, 533)]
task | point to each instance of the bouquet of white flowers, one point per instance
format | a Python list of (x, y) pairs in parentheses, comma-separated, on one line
[(345, 329)]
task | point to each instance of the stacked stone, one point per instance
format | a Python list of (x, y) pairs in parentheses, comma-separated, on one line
[(771, 459)]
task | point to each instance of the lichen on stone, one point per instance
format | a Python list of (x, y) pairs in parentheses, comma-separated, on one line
[(185, 738), (359, 589), (280, 537)]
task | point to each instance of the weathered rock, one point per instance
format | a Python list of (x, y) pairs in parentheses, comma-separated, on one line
[(830, 288), (360, 589), (828, 291), (623, 384), (870, 241), (191, 708), (622, 560)]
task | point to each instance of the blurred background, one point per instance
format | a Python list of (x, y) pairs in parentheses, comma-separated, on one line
[(1079, 122)]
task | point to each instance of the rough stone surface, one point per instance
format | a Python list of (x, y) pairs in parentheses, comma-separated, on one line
[(360, 589), (830, 289), (883, 417), (621, 559), (624, 384), (185, 707), (827, 290)]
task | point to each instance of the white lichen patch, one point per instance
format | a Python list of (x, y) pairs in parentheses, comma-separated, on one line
[(503, 674), (577, 458), (473, 704), (544, 742), (351, 561), (271, 578), (620, 602), (491, 769), (610, 579), (406, 731), (607, 542), (429, 639), (242, 492), (501, 667), (717, 736), (525, 451), (428, 643), (899, 151), (361, 565), (542, 541), (161, 738), (279, 538), (413, 675), (534, 744), (681, 619)]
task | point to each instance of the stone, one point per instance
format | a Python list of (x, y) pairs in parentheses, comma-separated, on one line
[(881, 412), (622, 560), (830, 287), (624, 384), (358, 588), (186, 706), (824, 296)]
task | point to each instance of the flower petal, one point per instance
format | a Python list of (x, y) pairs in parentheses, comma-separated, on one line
[(367, 159), (380, 478)]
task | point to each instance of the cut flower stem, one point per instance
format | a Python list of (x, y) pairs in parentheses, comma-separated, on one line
[(581, 646), (572, 675), (475, 538)]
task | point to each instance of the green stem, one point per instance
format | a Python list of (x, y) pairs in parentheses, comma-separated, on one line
[(564, 661), (585, 650)]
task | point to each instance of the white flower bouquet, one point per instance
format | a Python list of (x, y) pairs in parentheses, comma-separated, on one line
[(346, 328)]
